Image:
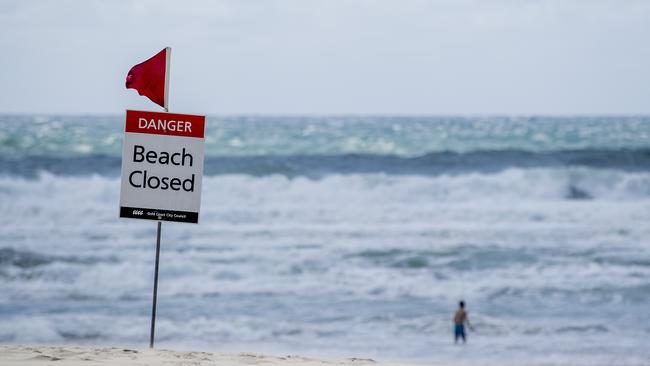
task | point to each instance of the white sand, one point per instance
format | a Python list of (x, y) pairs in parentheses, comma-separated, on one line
[(42, 355)]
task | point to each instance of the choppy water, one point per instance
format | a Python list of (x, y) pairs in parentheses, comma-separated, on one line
[(341, 236)]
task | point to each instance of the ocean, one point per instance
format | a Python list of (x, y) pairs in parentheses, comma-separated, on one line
[(341, 236)]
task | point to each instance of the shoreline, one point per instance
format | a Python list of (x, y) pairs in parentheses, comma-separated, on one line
[(113, 356)]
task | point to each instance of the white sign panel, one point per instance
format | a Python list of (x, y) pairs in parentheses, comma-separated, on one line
[(162, 166)]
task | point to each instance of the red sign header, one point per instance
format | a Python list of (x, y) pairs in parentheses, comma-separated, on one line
[(162, 123)]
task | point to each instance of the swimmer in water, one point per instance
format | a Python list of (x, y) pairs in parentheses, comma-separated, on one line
[(460, 319)]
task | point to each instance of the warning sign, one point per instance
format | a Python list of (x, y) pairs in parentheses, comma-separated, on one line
[(162, 166)]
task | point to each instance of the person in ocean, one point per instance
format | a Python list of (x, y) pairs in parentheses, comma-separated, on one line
[(460, 319)]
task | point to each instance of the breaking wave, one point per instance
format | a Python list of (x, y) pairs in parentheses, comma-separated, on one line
[(435, 163), (512, 183)]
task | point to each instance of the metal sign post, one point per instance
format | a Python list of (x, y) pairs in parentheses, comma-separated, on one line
[(155, 287), (162, 171)]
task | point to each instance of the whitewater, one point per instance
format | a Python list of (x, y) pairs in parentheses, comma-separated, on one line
[(341, 236)]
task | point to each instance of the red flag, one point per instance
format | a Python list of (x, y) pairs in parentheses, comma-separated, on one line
[(150, 78)]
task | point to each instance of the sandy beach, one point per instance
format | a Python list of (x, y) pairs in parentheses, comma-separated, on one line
[(68, 355)]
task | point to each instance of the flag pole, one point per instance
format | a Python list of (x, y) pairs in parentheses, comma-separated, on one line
[(168, 54), (168, 58)]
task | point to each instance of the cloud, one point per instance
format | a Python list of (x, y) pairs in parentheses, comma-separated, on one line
[(331, 56)]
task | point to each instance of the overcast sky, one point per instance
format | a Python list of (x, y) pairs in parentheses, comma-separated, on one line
[(331, 56)]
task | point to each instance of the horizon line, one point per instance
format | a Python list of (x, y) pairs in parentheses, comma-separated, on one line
[(349, 115)]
